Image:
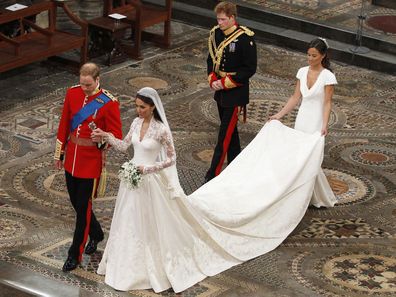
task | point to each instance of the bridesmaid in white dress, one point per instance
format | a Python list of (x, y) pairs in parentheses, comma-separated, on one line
[(314, 89)]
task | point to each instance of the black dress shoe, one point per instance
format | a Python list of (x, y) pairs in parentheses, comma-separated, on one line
[(70, 264), (92, 246)]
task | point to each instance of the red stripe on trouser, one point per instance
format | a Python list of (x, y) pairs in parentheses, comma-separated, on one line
[(227, 140), (87, 221)]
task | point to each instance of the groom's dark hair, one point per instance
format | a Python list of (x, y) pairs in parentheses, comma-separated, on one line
[(150, 102)]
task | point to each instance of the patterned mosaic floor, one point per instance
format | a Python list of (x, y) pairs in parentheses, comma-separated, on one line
[(338, 13), (348, 250)]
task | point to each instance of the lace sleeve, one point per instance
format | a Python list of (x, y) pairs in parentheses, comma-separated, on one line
[(165, 138), (121, 145)]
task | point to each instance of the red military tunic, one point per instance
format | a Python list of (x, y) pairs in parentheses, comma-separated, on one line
[(85, 161)]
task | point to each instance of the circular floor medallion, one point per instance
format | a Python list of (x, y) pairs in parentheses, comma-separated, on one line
[(40, 184), (372, 156), (55, 183), (141, 82), (338, 186), (385, 23), (349, 189), (204, 155)]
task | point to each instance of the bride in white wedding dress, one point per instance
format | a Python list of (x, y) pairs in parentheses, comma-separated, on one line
[(161, 239), (314, 89)]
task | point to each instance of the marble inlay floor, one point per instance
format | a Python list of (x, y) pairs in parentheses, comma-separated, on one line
[(348, 250), (338, 13)]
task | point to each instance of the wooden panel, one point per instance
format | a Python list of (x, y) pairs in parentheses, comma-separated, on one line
[(42, 42), (34, 47), (8, 16)]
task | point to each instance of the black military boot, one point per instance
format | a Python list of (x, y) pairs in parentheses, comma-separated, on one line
[(70, 264), (92, 246)]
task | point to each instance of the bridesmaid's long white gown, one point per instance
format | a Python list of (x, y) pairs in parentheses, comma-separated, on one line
[(309, 119), (158, 241)]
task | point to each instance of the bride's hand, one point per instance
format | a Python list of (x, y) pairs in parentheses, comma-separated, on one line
[(98, 134), (141, 169)]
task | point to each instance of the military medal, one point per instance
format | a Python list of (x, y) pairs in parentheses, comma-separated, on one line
[(232, 47)]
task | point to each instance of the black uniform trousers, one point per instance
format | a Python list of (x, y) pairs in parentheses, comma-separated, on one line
[(81, 192), (228, 140)]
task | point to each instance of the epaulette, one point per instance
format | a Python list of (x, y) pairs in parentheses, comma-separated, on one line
[(75, 86), (214, 28), (108, 94), (247, 31)]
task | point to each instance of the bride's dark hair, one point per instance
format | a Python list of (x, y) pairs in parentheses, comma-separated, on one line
[(150, 102)]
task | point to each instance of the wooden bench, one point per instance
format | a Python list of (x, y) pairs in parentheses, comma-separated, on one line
[(140, 16), (39, 43)]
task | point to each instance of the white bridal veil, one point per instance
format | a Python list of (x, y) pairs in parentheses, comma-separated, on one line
[(169, 174)]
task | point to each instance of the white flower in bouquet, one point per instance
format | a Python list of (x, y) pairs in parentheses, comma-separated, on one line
[(130, 174)]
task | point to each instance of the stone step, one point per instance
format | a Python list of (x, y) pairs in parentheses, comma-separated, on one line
[(385, 3), (258, 13), (17, 281), (315, 28), (8, 290), (294, 35), (297, 23), (340, 51)]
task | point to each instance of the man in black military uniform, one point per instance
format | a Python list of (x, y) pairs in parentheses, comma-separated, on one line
[(232, 60)]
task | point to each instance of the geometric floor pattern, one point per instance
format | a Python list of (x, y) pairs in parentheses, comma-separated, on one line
[(348, 250), (336, 13)]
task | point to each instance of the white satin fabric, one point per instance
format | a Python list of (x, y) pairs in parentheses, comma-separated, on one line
[(249, 209), (310, 119)]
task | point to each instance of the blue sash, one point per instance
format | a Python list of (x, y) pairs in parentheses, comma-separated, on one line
[(89, 110)]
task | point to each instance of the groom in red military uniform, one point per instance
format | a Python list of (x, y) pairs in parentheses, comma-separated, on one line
[(86, 107), (232, 60)]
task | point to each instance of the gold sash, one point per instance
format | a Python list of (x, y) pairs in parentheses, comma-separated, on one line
[(216, 52)]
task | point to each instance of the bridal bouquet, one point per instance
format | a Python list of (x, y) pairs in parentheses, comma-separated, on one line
[(130, 174)]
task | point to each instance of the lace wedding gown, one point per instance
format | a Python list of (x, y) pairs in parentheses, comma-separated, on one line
[(158, 241), (309, 119)]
